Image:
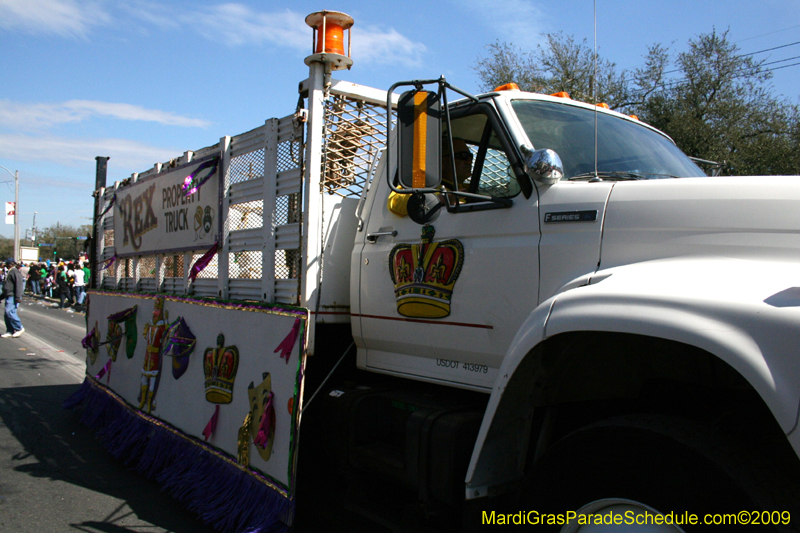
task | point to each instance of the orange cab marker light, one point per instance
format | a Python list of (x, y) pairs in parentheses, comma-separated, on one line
[(561, 94), (420, 137), (634, 117), (603, 105), (507, 87)]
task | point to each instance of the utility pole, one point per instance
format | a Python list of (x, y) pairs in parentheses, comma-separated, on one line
[(16, 211), (16, 215)]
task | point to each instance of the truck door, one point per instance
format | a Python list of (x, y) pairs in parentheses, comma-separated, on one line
[(443, 301)]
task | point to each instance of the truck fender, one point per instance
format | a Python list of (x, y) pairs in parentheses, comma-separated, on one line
[(746, 313)]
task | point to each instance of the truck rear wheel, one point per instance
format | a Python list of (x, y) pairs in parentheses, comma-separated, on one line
[(637, 466)]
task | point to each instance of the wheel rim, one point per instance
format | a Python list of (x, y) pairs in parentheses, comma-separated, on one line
[(629, 511)]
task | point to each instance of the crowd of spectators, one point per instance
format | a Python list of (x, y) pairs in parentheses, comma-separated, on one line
[(65, 281)]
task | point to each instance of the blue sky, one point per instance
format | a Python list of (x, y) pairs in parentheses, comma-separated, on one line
[(144, 81)]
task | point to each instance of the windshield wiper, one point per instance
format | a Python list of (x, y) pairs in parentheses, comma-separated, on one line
[(610, 176)]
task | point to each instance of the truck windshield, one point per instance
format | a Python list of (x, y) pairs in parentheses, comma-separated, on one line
[(625, 149)]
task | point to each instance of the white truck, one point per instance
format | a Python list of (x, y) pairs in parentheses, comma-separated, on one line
[(519, 309)]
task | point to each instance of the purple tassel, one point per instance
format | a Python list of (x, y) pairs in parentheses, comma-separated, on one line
[(88, 341), (267, 423), (287, 344), (109, 263), (225, 497), (211, 427), (103, 371), (203, 262), (190, 186)]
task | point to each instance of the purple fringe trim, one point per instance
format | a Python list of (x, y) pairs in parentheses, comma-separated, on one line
[(224, 496), (203, 261)]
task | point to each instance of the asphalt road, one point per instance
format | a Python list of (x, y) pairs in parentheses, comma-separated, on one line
[(55, 476)]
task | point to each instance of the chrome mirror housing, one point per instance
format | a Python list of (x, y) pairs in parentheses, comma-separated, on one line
[(542, 165)]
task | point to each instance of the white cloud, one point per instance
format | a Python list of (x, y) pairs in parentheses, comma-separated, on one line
[(237, 24), (45, 115), (232, 24), (156, 15), (66, 18), (372, 45), (78, 152), (516, 21)]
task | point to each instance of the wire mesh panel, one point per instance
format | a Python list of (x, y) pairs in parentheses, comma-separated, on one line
[(247, 215), (288, 214), (355, 132), (244, 265), (126, 267), (173, 266), (110, 276), (290, 154), (125, 271), (209, 272), (108, 238), (246, 166), (287, 264), (497, 177), (287, 209), (147, 266)]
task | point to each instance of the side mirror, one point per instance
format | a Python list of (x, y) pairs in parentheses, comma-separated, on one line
[(419, 138), (423, 208), (543, 165)]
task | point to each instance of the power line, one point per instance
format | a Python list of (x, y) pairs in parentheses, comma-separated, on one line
[(746, 55), (741, 72), (784, 66), (769, 49), (780, 61), (768, 33)]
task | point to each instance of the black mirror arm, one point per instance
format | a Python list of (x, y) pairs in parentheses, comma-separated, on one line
[(417, 84), (483, 197)]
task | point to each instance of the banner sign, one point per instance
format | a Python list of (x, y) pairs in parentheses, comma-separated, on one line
[(11, 209), (233, 369), (157, 215)]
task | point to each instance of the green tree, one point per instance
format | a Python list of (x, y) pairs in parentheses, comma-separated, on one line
[(65, 239), (718, 104), (6, 248), (562, 64), (720, 107)]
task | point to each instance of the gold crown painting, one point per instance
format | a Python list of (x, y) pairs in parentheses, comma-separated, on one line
[(219, 366), (424, 275)]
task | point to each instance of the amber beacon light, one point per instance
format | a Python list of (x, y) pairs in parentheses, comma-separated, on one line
[(328, 39)]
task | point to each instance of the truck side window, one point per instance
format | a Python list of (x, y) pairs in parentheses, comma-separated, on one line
[(482, 165)]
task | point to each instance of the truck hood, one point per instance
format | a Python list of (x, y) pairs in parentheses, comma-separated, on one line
[(747, 217)]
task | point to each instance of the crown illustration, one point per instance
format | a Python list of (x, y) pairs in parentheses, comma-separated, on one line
[(424, 275), (220, 366)]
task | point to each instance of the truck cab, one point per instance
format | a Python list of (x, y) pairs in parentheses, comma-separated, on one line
[(504, 258)]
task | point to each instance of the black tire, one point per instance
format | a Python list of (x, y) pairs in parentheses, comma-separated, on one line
[(668, 464)]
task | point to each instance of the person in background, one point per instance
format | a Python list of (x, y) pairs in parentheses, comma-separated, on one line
[(25, 271), (34, 278), (78, 284), (43, 271), (70, 269), (63, 286), (86, 273), (50, 281), (13, 286)]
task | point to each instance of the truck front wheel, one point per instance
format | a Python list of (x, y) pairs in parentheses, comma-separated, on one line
[(658, 473)]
